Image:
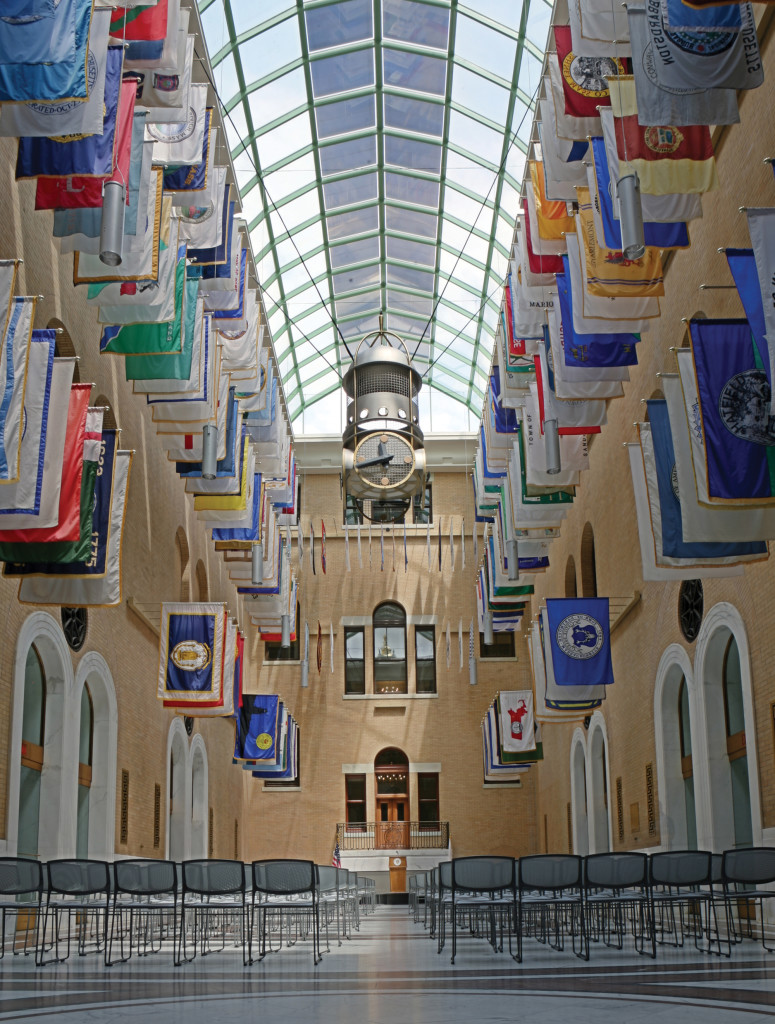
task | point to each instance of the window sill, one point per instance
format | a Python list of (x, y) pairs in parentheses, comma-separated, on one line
[(281, 789), (272, 661), (486, 661), (389, 696)]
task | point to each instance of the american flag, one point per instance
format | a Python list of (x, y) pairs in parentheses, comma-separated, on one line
[(336, 859)]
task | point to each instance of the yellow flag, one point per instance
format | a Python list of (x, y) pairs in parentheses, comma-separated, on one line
[(226, 502), (552, 215), (607, 272)]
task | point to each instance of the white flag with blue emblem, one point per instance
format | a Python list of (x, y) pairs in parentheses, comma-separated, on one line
[(579, 633), (17, 316)]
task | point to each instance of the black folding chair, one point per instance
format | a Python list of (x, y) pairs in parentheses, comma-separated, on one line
[(287, 892), (616, 893), (76, 894), (212, 908), (144, 909), (681, 881), (551, 902), (21, 890), (743, 872), (483, 895)]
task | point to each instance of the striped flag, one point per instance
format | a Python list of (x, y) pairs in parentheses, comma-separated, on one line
[(336, 859)]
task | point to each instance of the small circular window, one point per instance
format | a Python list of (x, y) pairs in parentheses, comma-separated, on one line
[(690, 609), (75, 622)]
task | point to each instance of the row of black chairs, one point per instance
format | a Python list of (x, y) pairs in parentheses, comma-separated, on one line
[(662, 898), (197, 907)]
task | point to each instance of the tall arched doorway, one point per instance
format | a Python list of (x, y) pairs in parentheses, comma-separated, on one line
[(178, 781), (391, 770), (578, 794), (199, 797), (597, 787)]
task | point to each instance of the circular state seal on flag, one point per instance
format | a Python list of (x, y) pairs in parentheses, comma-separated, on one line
[(664, 140), (587, 75), (190, 655), (263, 741), (703, 44), (579, 636), (177, 131), (196, 214), (744, 407), (67, 105)]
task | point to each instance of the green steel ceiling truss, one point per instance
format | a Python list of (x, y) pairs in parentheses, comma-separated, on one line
[(379, 147)]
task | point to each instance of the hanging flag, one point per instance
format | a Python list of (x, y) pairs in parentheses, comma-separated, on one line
[(369, 546), (606, 271), (552, 218), (257, 728), (319, 652), (449, 652), (191, 652), (360, 555), (476, 543), (439, 543), (406, 556), (331, 645), (382, 548), (761, 227), (580, 641), (67, 79), (323, 546), (14, 356), (336, 859), (517, 724), (347, 547), (428, 544), (463, 544), (460, 642), (305, 656), (667, 159), (583, 78), (312, 547), (300, 543), (471, 654), (451, 544)]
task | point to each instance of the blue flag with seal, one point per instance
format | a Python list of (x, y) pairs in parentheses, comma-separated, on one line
[(194, 177), (591, 349), (256, 727), (673, 544), (191, 652), (735, 408), (742, 266), (216, 262), (24, 77), (673, 235), (579, 633)]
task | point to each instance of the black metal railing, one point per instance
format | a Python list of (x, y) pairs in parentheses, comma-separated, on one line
[(393, 835)]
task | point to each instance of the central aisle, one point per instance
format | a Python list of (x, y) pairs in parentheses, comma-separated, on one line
[(390, 972)]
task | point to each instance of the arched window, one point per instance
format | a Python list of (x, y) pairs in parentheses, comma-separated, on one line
[(578, 790), (85, 757), (734, 717), (597, 785), (33, 737), (571, 588), (687, 769), (199, 797), (202, 588), (183, 564), (588, 565), (389, 622)]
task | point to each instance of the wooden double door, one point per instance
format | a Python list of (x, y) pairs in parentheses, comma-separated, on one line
[(392, 822)]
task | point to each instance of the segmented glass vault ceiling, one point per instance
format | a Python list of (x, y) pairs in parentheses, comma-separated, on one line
[(379, 147)]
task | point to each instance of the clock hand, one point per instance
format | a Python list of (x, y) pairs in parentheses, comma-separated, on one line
[(379, 461)]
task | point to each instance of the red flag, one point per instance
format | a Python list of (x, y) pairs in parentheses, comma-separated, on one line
[(140, 22), (323, 545), (320, 649), (584, 78), (79, 191), (539, 264), (69, 525)]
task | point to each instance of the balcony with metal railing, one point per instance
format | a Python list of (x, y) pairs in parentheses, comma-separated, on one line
[(393, 835)]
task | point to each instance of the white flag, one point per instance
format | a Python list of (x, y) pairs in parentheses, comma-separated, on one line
[(476, 545), (451, 544), (448, 645), (428, 545), (463, 544), (517, 722), (460, 641), (761, 227), (331, 644), (347, 547), (360, 554), (300, 543)]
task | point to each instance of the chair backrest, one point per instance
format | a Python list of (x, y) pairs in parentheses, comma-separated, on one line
[(19, 875), (213, 877), (327, 877), (483, 874), (145, 877), (615, 870), (342, 877), (754, 866), (445, 874), (549, 871), (284, 877), (680, 867), (78, 877)]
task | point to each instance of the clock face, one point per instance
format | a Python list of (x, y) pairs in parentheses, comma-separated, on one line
[(397, 861), (384, 459)]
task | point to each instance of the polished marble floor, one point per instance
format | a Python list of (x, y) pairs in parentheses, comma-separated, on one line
[(390, 972)]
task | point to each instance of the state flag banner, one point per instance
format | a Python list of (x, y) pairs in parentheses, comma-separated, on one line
[(24, 80), (584, 82), (681, 17), (667, 159), (14, 358), (517, 721), (257, 728), (552, 216), (734, 398), (39, 38), (191, 651), (140, 21), (607, 271), (579, 633)]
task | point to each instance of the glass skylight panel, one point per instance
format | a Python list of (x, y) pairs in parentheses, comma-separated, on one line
[(337, 24), (410, 222), (414, 71), (342, 73), (422, 280), (294, 277), (414, 115), (354, 252), (470, 211), (411, 252), (345, 116), (348, 156), (287, 138), (306, 321), (476, 138), (415, 23), (359, 277), (539, 19), (214, 26), (407, 189), (310, 239), (504, 233), (270, 50), (291, 177), (244, 12), (406, 326), (236, 126), (453, 317), (357, 304), (349, 191), (354, 222), (461, 241), (480, 95), (358, 327), (504, 13), (298, 210), (225, 78), (457, 295), (470, 175), (413, 154), (410, 303), (316, 265), (484, 46), (276, 98)]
